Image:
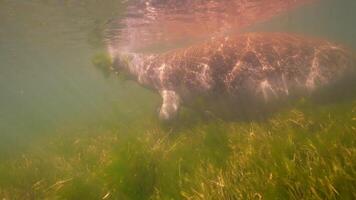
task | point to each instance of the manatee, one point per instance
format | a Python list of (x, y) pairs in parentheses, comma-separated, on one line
[(252, 66)]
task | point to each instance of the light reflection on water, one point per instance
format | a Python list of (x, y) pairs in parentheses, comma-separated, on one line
[(46, 76), (151, 23)]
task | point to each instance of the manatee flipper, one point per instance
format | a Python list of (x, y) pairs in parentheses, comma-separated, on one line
[(170, 105)]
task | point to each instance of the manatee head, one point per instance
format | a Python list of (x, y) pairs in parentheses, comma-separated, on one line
[(121, 64), (118, 64), (121, 61)]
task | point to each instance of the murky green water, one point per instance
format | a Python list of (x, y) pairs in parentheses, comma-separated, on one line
[(51, 96), (47, 79)]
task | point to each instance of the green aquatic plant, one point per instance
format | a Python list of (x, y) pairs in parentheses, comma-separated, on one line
[(304, 152), (103, 62)]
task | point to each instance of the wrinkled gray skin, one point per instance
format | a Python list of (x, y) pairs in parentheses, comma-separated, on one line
[(264, 66)]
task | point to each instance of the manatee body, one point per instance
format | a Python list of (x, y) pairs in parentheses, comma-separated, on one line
[(265, 66)]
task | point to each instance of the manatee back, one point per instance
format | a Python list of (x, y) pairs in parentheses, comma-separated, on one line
[(277, 65), (260, 65)]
